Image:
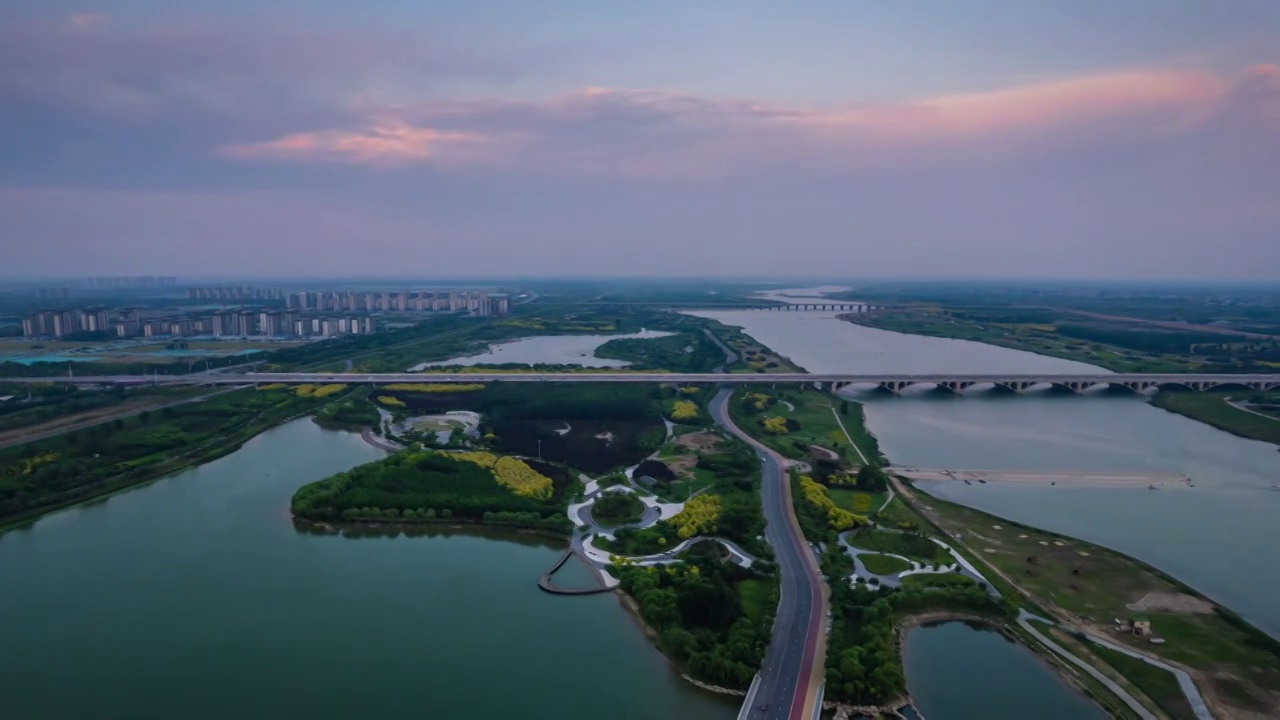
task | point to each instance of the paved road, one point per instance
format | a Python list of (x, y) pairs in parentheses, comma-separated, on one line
[(787, 684), (1196, 381)]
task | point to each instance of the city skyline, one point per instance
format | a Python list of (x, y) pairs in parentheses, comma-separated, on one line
[(727, 139)]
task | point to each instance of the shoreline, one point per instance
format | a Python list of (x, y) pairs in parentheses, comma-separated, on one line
[(652, 636)]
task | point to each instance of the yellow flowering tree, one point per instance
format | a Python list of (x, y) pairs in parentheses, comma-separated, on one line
[(776, 425), (684, 410), (837, 517), (513, 473), (699, 516)]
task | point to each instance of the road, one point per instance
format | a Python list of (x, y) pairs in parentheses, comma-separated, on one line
[(792, 672), (22, 436), (1201, 381)]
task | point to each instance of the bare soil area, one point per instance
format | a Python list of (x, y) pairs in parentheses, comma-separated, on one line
[(703, 441), (1170, 602)]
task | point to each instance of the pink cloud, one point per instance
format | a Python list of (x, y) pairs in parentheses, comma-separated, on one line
[(664, 134), (389, 142), (86, 20)]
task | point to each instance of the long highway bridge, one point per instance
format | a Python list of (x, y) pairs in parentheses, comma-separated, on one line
[(895, 382)]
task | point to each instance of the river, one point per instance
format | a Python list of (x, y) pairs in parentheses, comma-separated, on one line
[(548, 349), (954, 668), (1213, 536), (196, 597)]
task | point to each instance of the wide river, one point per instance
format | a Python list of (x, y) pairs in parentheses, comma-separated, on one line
[(195, 597), (1214, 536)]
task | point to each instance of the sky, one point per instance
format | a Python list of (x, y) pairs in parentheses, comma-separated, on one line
[(828, 138)]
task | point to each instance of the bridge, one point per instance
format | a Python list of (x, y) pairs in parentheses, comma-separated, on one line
[(892, 382), (858, 307)]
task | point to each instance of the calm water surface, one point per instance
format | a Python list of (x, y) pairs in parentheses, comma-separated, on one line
[(1192, 533), (954, 670), (551, 349), (195, 597)]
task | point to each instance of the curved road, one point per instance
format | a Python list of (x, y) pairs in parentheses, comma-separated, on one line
[(792, 672)]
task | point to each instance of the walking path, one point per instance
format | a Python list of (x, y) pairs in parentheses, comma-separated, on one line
[(1241, 406), (961, 566), (857, 449), (1024, 619), (1189, 689), (380, 443)]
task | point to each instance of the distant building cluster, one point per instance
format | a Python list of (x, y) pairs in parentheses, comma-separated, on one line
[(132, 281), (132, 323), (471, 301), (307, 314), (234, 293)]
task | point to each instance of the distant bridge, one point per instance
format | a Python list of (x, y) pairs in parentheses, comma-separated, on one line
[(894, 382), (779, 307)]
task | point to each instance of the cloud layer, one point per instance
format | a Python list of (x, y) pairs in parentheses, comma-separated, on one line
[(312, 149), (667, 134)]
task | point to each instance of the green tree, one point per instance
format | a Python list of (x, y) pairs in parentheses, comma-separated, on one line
[(844, 407)]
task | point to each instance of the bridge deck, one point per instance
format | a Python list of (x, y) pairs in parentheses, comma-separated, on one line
[(1189, 380)]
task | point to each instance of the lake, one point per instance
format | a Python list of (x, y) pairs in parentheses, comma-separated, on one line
[(547, 349), (954, 668), (195, 597)]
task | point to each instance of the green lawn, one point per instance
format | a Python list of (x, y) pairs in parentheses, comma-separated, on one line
[(813, 410), (884, 564), (915, 547), (1159, 685), (756, 596), (934, 580), (856, 501)]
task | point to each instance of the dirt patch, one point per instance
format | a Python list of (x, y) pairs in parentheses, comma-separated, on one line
[(682, 466), (1171, 603), (699, 441), (820, 452)]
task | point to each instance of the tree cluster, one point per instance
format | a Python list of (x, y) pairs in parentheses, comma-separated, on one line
[(699, 619)]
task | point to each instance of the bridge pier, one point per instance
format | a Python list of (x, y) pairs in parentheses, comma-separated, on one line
[(1264, 386), (1016, 386), (1076, 387), (956, 387), (896, 386), (1137, 386)]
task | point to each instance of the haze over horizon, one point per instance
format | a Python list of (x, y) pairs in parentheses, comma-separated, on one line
[(566, 138)]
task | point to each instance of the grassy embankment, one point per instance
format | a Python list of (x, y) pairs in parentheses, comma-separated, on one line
[(41, 476), (753, 357), (1212, 408), (1235, 665)]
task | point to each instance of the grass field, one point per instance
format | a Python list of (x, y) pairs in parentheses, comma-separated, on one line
[(813, 410), (884, 564), (856, 501), (1212, 408), (1159, 685), (937, 580), (914, 547), (756, 596)]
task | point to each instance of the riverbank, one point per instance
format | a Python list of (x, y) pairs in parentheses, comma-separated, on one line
[(1085, 587), (1215, 408), (126, 453)]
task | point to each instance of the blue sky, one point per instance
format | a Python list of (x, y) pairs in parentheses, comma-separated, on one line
[(1134, 139)]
